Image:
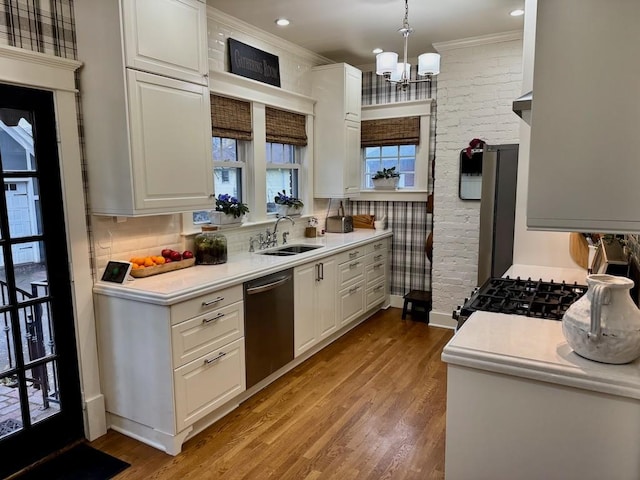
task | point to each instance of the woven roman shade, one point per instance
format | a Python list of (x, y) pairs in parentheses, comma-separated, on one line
[(390, 131), (230, 118), (285, 127)]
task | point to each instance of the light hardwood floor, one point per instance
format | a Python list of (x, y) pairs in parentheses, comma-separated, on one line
[(369, 406)]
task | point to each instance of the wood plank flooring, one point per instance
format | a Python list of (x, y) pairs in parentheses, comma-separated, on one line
[(369, 406)]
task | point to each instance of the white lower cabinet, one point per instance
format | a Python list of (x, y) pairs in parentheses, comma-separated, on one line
[(315, 303), (166, 367), (351, 303), (376, 261)]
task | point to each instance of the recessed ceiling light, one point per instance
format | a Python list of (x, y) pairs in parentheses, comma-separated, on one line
[(517, 13), (377, 50), (283, 22)]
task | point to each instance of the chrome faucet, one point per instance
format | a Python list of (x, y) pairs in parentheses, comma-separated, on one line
[(275, 229)]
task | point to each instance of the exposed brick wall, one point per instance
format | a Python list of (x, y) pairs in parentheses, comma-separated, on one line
[(476, 87)]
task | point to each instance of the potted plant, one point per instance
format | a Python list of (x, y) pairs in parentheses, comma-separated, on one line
[(386, 179), (287, 205), (228, 210)]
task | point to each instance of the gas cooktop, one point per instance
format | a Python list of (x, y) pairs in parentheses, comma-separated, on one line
[(516, 296)]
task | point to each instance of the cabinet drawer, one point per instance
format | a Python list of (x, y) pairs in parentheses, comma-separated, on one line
[(375, 294), (375, 271), (350, 272), (205, 304), (208, 382), (204, 333), (351, 303), (381, 246), (350, 255)]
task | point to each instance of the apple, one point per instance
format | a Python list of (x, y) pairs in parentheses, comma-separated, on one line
[(168, 260), (187, 254), (176, 256), (166, 253)]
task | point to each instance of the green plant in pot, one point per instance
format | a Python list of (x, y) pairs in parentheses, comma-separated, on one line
[(387, 178), (287, 204)]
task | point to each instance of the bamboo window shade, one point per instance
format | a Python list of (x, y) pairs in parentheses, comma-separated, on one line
[(390, 131), (285, 127), (230, 118)]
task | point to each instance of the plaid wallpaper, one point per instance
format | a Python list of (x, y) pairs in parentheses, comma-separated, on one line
[(410, 267), (44, 26)]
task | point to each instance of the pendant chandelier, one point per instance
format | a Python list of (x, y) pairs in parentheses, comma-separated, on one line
[(399, 73)]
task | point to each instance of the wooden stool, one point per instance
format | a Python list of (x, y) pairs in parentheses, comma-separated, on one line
[(420, 303)]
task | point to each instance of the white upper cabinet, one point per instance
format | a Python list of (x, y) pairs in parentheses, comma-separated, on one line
[(338, 91), (147, 129), (585, 118), (167, 37)]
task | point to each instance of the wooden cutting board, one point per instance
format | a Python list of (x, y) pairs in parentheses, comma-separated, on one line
[(579, 249), (363, 221)]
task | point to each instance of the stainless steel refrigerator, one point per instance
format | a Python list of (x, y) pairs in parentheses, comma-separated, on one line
[(497, 210)]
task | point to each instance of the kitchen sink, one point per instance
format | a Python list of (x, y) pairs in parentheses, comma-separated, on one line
[(289, 250)]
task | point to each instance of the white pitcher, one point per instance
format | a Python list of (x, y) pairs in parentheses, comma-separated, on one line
[(604, 325)]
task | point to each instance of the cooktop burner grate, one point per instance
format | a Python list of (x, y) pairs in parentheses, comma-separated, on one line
[(548, 300)]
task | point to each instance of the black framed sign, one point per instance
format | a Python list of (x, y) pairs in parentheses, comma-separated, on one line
[(250, 62)]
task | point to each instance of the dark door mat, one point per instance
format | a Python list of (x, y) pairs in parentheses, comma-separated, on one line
[(81, 462)]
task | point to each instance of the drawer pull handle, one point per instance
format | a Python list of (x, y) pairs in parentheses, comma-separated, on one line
[(378, 288), (354, 264), (377, 257), (377, 266), (377, 246), (353, 290), (208, 361), (213, 319), (208, 303), (354, 254)]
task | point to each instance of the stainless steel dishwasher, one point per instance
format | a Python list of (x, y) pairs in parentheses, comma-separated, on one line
[(268, 324)]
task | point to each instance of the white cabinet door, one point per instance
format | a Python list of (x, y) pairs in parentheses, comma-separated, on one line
[(352, 158), (351, 303), (167, 37), (583, 173), (315, 307), (170, 143), (304, 284), (326, 306), (353, 93)]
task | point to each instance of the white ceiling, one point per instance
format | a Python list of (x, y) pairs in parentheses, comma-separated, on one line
[(348, 30)]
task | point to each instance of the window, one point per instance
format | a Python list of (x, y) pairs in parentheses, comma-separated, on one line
[(228, 167), (402, 157), (397, 135), (282, 172)]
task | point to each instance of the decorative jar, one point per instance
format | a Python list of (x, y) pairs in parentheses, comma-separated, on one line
[(221, 218), (210, 247), (604, 324)]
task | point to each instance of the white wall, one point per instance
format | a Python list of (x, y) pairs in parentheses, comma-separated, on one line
[(480, 77)]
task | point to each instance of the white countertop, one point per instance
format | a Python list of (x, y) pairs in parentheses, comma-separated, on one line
[(171, 287), (536, 349)]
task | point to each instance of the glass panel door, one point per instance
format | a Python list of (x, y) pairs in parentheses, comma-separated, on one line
[(40, 402)]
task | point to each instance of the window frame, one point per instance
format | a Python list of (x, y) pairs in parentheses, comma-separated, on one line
[(297, 153), (254, 174), (419, 192)]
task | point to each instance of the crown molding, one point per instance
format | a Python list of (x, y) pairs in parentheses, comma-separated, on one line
[(246, 28), (480, 40)]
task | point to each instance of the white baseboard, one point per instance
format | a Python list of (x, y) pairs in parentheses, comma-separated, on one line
[(440, 319)]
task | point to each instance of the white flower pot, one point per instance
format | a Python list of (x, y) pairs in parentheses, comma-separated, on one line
[(221, 218), (385, 183), (285, 210)]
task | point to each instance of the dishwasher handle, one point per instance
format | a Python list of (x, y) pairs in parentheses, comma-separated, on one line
[(268, 286)]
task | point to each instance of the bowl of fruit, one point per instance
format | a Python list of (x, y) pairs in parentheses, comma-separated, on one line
[(168, 261)]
